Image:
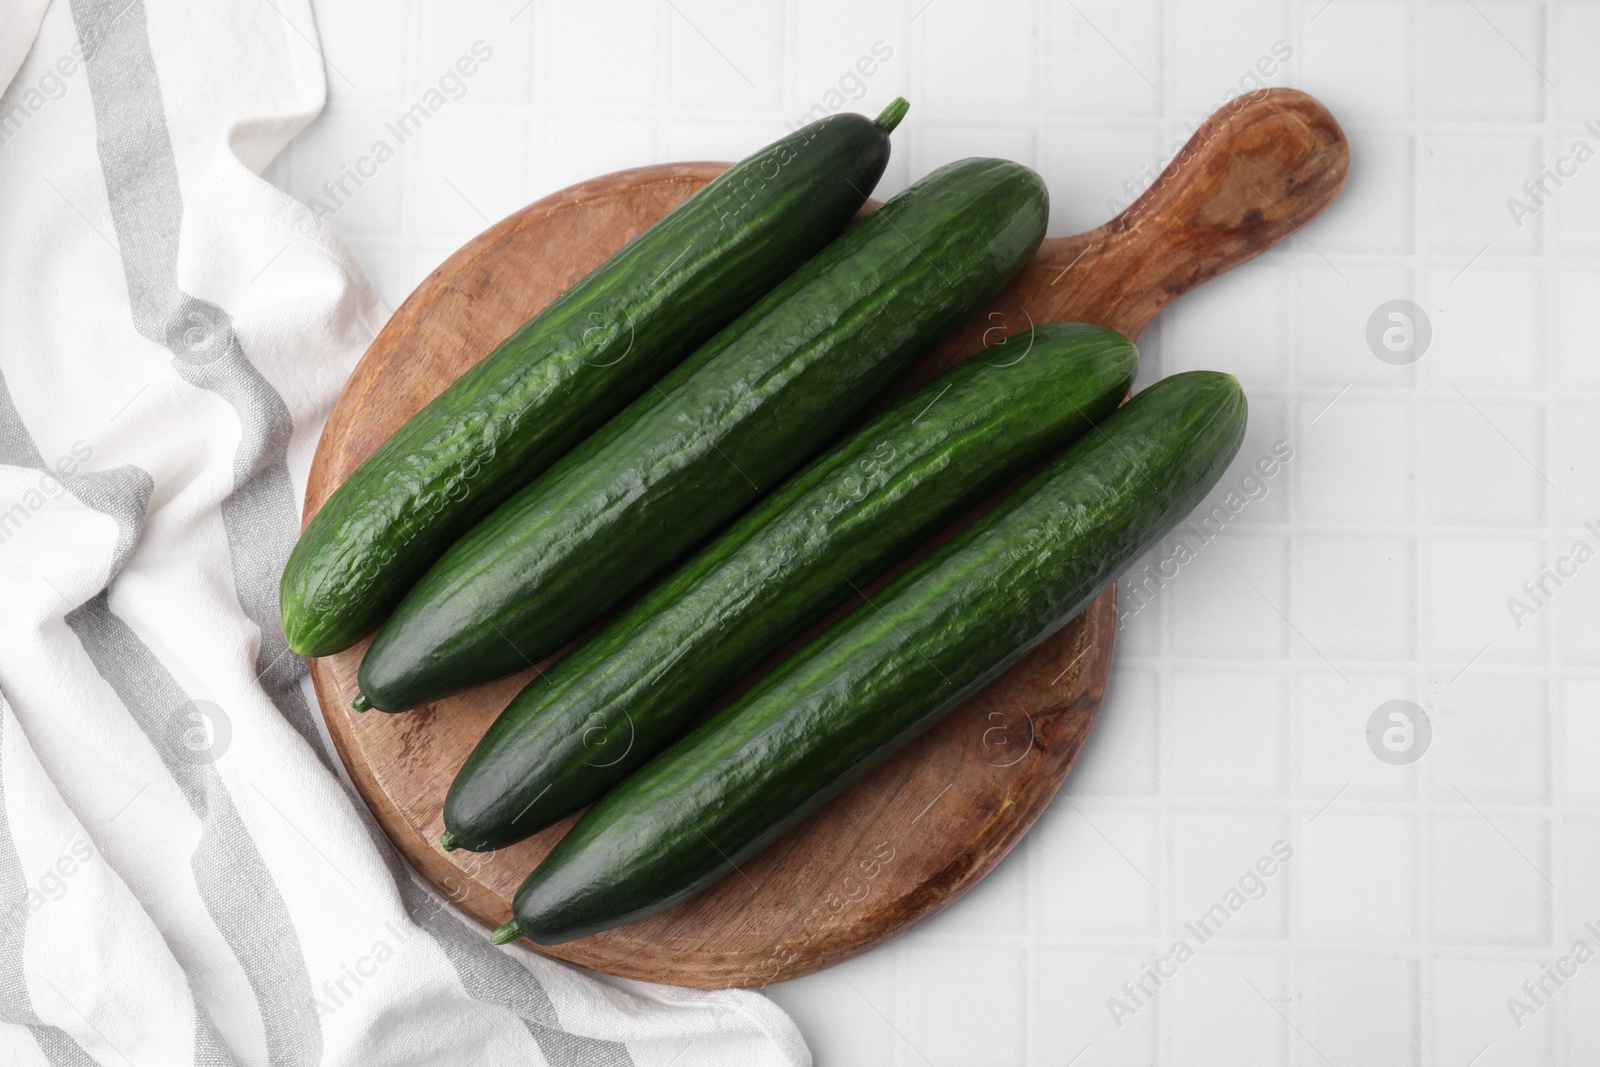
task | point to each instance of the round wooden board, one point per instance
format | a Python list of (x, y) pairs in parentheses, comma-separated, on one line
[(922, 829)]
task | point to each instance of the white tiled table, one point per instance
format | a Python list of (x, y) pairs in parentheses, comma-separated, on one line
[(1377, 565)]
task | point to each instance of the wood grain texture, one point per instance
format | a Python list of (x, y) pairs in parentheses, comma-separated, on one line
[(922, 829)]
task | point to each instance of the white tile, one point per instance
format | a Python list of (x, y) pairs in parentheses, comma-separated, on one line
[(1090, 187), (1580, 872), (1123, 753), (476, 45), (1574, 205), (1470, 1018), (1098, 871), (1577, 324), (371, 53), (1578, 707), (576, 150), (1575, 616), (725, 55), (458, 199), (1234, 323), (1466, 181), (321, 173), (1213, 609), (1487, 327), (1581, 1016), (1490, 878), (860, 69), (392, 275), (1104, 58), (1332, 311), (1515, 767), (1355, 462), (1229, 733), (1355, 596), (1573, 27), (1358, 58), (1334, 762), (1224, 1011), (1217, 891), (1357, 878), (1217, 47), (1001, 892), (1140, 615), (1359, 1009), (1485, 460), (1073, 987), (1263, 472), (846, 1012), (1485, 61), (1251, 495), (978, 60), (724, 140), (970, 1018), (623, 73), (1375, 213), (1470, 585)]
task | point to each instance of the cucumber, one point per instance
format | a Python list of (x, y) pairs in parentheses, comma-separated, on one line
[(723, 428), (608, 705), (569, 369), (889, 669)]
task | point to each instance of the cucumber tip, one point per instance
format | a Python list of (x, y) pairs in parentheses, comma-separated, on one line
[(448, 842), (505, 934), (361, 703), (893, 114)]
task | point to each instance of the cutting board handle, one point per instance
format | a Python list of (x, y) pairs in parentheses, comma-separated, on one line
[(1254, 172)]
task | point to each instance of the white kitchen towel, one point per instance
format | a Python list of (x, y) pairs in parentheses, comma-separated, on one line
[(184, 877), (19, 24)]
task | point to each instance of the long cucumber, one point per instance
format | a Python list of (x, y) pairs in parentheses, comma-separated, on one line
[(569, 369), (608, 705), (889, 670), (719, 431)]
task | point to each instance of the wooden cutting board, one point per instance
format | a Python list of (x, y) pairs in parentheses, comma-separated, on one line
[(924, 828)]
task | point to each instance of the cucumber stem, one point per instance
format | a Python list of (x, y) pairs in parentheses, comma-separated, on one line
[(361, 703), (505, 934), (448, 842), (893, 114)]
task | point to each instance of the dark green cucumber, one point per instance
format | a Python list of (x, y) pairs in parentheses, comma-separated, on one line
[(569, 369), (890, 669), (724, 427), (612, 702)]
